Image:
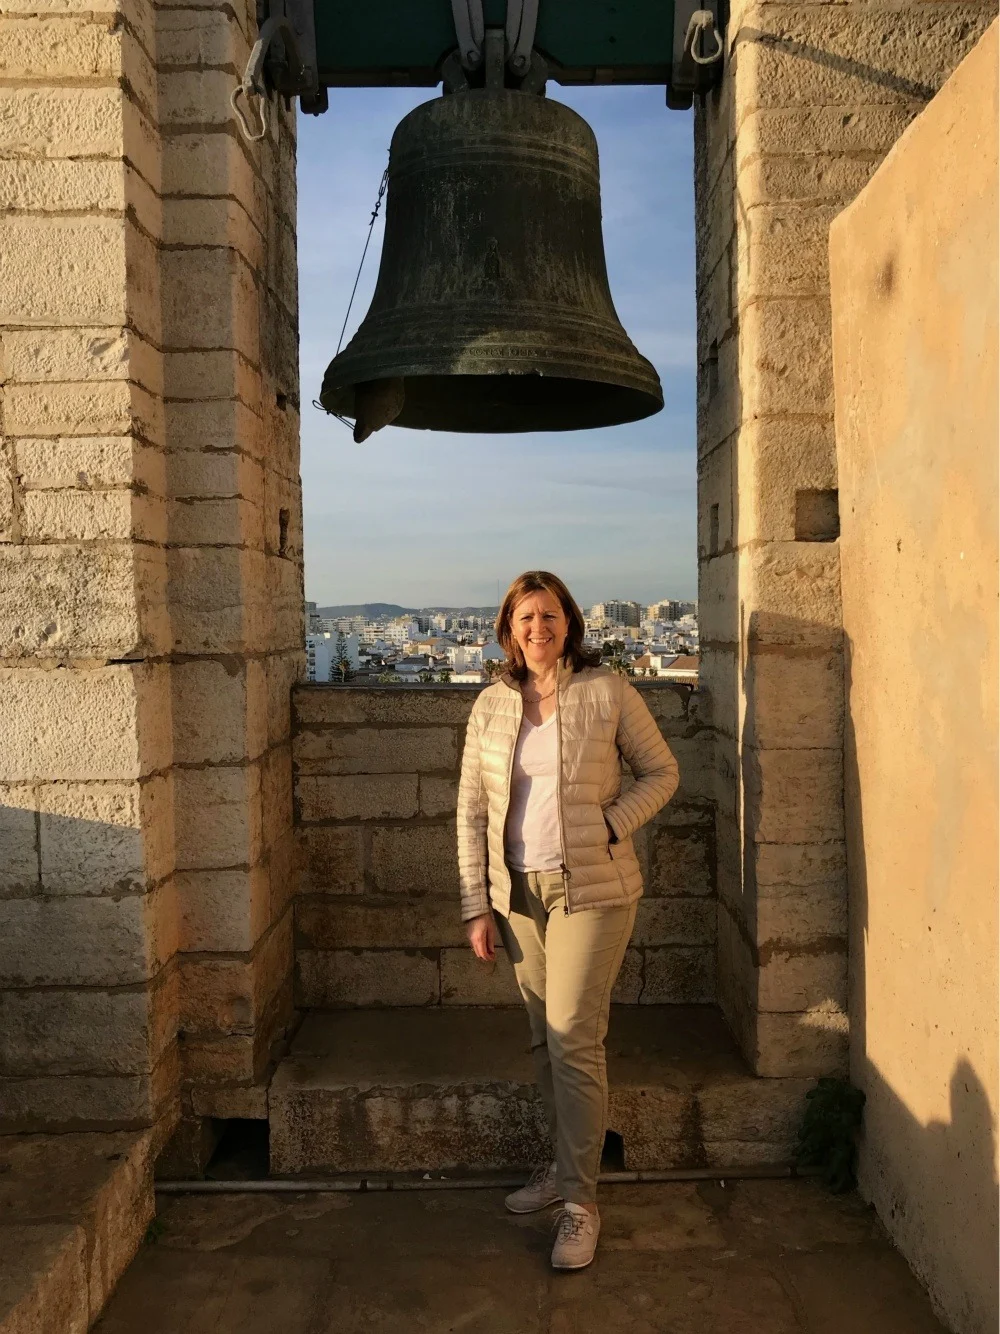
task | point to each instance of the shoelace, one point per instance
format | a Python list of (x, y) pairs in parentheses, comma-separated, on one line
[(538, 1176), (569, 1226)]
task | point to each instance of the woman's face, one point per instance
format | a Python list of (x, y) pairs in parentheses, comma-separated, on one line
[(540, 628)]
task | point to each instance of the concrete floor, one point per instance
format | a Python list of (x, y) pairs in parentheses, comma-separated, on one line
[(751, 1257)]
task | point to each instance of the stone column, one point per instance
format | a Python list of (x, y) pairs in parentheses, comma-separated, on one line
[(812, 97), (230, 369), (150, 567)]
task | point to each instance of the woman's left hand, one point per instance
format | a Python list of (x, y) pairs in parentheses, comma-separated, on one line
[(482, 934)]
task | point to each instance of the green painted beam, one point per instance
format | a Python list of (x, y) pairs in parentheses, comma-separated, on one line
[(386, 42)]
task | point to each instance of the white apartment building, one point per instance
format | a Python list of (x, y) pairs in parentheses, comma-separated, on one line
[(616, 612), (465, 657)]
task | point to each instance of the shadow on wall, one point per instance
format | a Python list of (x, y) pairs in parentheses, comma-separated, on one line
[(933, 1182), (88, 993)]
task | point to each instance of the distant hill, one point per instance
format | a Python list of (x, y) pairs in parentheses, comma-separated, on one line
[(373, 610), (376, 610)]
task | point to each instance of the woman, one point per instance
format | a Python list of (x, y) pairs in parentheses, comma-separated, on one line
[(546, 857)]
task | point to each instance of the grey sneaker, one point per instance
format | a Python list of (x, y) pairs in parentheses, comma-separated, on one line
[(539, 1192), (577, 1230)]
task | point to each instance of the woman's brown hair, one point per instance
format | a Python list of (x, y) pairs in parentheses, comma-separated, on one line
[(540, 581)]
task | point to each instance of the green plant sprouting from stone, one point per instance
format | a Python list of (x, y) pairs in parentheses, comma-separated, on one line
[(828, 1134)]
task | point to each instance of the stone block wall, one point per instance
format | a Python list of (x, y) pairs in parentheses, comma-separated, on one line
[(812, 97), (150, 567), (377, 921)]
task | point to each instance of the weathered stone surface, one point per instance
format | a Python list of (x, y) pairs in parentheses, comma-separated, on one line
[(809, 1044), (227, 995), (797, 916), (58, 1032), (800, 864), (783, 250), (810, 976), (426, 706), (785, 357), (97, 723), (422, 859), (104, 838), (438, 796), (44, 1280), (45, 283), (343, 923), (210, 301), (718, 600), (794, 700), (366, 977), (777, 458), (226, 910), (680, 861), (59, 1104), (466, 980), (357, 797), (219, 711), (794, 796), (373, 750), (207, 590), (99, 1184), (674, 921), (282, 672), (719, 682), (334, 858), (19, 867), (218, 818), (907, 54), (792, 593), (678, 975), (431, 1089), (86, 941)]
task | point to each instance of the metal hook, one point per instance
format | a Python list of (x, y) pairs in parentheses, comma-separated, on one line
[(253, 84), (702, 21)]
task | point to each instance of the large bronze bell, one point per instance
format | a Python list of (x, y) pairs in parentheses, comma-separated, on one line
[(492, 310)]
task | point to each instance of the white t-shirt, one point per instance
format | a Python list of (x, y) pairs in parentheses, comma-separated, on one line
[(531, 835)]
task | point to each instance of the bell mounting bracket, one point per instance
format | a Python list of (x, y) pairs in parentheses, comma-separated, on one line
[(305, 47)]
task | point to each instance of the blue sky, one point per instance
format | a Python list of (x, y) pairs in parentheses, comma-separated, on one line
[(421, 518)]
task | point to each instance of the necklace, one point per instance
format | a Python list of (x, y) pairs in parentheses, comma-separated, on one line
[(538, 698)]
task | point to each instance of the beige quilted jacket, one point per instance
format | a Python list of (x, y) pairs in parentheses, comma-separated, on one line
[(599, 719)]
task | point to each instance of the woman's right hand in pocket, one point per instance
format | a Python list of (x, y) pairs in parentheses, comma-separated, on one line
[(482, 935)]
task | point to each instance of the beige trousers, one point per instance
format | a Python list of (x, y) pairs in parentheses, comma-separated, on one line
[(566, 965)]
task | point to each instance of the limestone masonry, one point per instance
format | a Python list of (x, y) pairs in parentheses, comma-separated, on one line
[(196, 848)]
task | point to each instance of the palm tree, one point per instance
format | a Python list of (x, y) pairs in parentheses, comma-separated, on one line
[(444, 676)]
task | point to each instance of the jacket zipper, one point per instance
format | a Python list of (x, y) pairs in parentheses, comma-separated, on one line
[(510, 766), (559, 810)]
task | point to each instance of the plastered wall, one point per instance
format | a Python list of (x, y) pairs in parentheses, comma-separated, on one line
[(914, 288), (150, 567)]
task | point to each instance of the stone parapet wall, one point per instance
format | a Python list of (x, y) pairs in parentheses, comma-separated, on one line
[(150, 566), (377, 919), (812, 98)]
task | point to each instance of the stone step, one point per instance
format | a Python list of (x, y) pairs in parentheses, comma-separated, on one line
[(435, 1088)]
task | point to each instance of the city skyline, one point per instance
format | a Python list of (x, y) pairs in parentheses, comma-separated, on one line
[(440, 518)]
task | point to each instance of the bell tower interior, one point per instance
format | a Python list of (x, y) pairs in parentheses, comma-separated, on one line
[(206, 863)]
